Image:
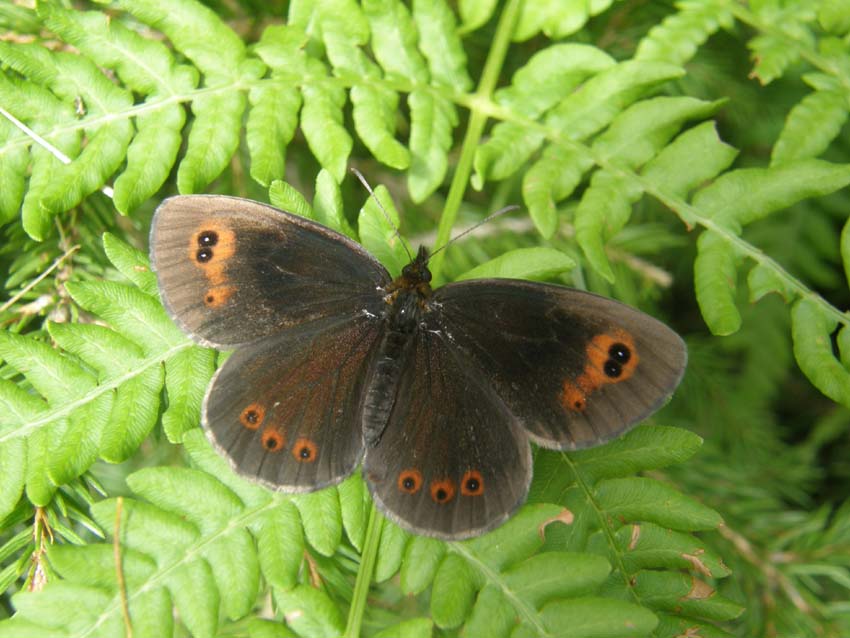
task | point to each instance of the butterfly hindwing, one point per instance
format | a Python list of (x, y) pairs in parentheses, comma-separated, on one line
[(285, 411), (232, 271), (451, 462), (576, 369)]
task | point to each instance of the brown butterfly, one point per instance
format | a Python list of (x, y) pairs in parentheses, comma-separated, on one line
[(437, 392)]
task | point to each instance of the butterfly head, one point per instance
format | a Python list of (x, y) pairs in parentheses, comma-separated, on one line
[(415, 276)]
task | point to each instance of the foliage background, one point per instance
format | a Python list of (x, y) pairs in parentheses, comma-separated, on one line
[(605, 120)]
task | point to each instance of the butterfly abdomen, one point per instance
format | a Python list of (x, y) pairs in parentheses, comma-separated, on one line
[(395, 345)]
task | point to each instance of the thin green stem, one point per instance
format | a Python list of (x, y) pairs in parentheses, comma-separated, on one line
[(364, 574), (477, 120)]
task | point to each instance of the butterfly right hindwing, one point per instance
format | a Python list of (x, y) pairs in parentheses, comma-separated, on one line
[(451, 461)]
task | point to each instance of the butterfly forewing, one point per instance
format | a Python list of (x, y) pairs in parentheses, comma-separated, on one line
[(286, 410), (232, 271), (576, 369), (451, 462)]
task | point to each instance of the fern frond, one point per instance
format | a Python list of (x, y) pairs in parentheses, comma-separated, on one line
[(188, 545), (99, 396)]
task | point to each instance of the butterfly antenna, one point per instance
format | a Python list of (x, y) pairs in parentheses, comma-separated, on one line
[(489, 218), (396, 231)]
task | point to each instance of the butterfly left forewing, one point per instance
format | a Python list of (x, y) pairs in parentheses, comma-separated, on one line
[(285, 411), (232, 271), (451, 462), (576, 369)]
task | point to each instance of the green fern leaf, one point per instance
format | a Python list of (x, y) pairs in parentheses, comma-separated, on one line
[(523, 263), (13, 456), (321, 122), (310, 612), (72, 77), (212, 140), (390, 552), (13, 164), (187, 375), (546, 79), (374, 121), (679, 35), (453, 592), (431, 121), (606, 94), (196, 31), (280, 546), (328, 206), (715, 281), (354, 505), (287, 198), (555, 19), (270, 128), (810, 127), (379, 234), (672, 169), (322, 519), (394, 41), (746, 195), (474, 13), (588, 617), (422, 557), (441, 45), (131, 263), (811, 329), (551, 179)]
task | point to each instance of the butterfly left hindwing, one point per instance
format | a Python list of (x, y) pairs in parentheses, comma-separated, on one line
[(285, 411)]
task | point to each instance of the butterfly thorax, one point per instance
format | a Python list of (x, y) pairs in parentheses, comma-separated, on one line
[(407, 297), (415, 278)]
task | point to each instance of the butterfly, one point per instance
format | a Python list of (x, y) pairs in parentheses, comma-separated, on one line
[(438, 393)]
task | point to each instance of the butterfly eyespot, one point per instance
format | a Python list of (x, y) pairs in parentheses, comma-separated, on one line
[(207, 238), (210, 247), (218, 296), (472, 484), (252, 416), (620, 352), (272, 440), (613, 369), (410, 481), (304, 451), (442, 491), (573, 397)]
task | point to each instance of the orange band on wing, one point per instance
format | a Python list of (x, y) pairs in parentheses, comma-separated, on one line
[(611, 358)]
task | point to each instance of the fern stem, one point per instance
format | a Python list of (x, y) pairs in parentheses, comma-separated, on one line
[(477, 120), (605, 527), (119, 569), (364, 574)]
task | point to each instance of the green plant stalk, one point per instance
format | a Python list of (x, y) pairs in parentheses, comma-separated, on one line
[(364, 574), (477, 120)]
